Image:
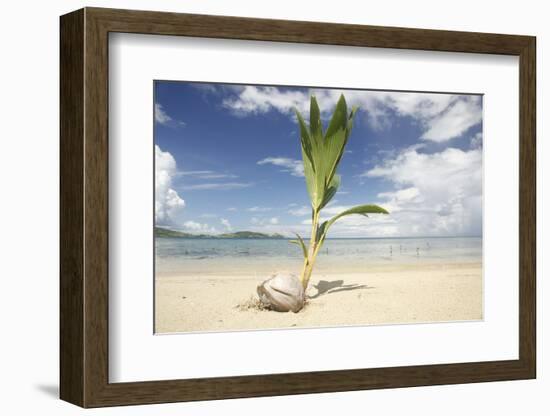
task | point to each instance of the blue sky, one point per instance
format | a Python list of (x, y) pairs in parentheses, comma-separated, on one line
[(228, 159)]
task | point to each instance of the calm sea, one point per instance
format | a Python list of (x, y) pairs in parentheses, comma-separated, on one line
[(257, 256)]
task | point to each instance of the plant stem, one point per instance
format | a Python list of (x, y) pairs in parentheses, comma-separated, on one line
[(312, 251)]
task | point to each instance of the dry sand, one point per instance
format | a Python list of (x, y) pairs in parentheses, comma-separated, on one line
[(386, 294)]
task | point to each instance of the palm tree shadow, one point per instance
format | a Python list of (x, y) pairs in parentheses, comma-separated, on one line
[(325, 287)]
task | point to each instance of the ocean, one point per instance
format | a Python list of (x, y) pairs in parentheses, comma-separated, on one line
[(265, 256)]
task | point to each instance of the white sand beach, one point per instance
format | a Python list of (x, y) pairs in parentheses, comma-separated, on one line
[(385, 294)]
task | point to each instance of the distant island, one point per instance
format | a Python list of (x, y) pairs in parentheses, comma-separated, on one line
[(168, 233)]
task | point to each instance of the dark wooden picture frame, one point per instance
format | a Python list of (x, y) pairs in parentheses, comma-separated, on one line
[(84, 207)]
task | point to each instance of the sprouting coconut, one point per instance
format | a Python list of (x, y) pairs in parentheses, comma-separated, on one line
[(282, 292), (321, 154)]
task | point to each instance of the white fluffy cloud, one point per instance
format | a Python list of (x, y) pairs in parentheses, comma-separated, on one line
[(301, 211), (295, 167), (454, 120), (256, 100), (167, 201), (160, 115), (258, 209), (264, 221), (442, 116), (476, 141), (217, 186), (197, 227), (207, 174), (163, 118), (435, 194), (211, 184), (375, 225), (225, 222)]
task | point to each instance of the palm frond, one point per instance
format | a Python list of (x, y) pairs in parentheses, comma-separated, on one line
[(331, 190), (301, 243), (339, 117), (305, 137), (321, 155), (315, 125), (360, 210)]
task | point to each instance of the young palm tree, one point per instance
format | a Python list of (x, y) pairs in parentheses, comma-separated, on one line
[(321, 153)]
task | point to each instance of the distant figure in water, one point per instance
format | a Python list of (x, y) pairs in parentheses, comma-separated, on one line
[(391, 251), (417, 251)]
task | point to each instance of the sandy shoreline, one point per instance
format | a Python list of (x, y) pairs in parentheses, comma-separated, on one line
[(383, 295)]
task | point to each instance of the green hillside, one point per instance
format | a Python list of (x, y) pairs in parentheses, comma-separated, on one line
[(167, 233)]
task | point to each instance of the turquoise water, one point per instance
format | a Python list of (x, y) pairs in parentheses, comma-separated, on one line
[(211, 256)]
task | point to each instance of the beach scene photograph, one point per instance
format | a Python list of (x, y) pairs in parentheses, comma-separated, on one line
[(284, 207)]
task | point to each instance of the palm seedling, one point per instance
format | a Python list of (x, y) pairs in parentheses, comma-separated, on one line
[(321, 154)]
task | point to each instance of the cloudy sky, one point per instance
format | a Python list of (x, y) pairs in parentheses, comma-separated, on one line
[(228, 159)]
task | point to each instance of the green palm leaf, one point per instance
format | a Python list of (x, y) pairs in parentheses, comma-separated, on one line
[(360, 210), (349, 125), (331, 190), (333, 151), (339, 117), (315, 125), (305, 137), (301, 243), (321, 155), (309, 175), (318, 151)]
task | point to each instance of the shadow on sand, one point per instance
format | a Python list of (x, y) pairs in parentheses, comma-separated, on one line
[(325, 287)]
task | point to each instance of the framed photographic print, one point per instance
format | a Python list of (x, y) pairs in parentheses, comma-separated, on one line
[(260, 207)]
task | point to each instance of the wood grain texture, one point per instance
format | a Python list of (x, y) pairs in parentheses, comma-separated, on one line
[(84, 207), (96, 207), (71, 208), (527, 208)]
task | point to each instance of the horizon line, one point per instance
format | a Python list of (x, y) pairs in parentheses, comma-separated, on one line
[(284, 237)]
